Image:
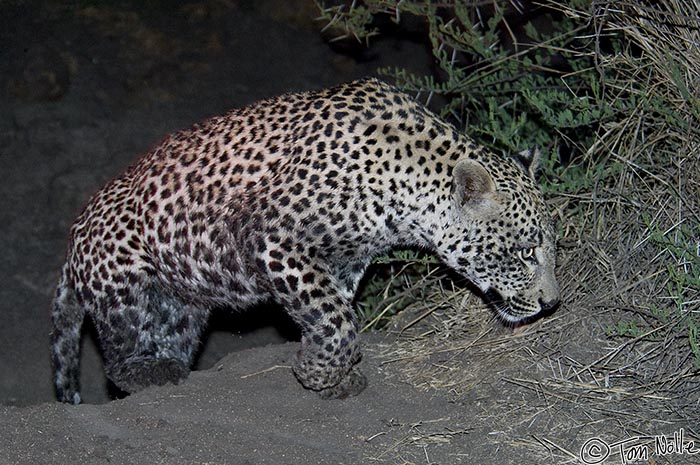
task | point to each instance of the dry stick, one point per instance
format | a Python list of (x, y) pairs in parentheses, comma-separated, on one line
[(440, 351), (546, 443), (395, 299), (615, 352), (272, 368), (419, 318)]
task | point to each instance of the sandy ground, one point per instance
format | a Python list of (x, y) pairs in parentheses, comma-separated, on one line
[(249, 409)]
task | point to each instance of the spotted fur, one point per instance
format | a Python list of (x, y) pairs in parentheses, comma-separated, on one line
[(289, 200)]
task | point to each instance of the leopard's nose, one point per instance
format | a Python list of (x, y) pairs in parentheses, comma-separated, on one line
[(549, 305)]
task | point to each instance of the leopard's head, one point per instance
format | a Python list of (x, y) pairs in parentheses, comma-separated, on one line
[(500, 236)]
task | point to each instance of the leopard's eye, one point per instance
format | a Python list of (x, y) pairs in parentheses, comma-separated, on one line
[(527, 254)]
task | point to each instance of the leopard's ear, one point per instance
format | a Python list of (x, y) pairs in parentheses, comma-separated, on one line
[(530, 161), (471, 183)]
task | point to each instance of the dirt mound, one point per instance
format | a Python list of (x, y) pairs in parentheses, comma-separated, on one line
[(249, 409)]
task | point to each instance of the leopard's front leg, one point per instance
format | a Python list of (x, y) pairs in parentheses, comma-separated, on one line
[(330, 351), (328, 357)]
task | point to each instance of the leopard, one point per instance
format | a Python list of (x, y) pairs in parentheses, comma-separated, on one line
[(289, 200)]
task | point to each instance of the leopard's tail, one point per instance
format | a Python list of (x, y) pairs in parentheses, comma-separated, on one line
[(67, 320)]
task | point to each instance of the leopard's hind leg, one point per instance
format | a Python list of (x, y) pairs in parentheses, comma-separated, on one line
[(151, 342)]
